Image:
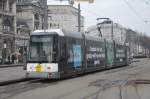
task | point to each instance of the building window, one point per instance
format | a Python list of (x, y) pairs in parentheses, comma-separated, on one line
[(54, 24), (36, 16), (10, 6), (6, 25), (50, 25), (49, 17), (36, 25), (3, 5)]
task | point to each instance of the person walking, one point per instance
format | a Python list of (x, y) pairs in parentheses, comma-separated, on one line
[(9, 58), (13, 58)]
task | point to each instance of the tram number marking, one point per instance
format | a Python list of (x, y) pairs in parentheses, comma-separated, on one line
[(38, 68)]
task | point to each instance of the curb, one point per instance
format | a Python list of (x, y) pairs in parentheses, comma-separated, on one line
[(7, 66), (3, 83)]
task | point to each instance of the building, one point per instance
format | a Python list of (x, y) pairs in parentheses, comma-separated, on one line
[(32, 12), (118, 33), (31, 15), (64, 17), (135, 41), (7, 29), (122, 36)]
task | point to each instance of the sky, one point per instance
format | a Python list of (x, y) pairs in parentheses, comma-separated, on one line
[(134, 14)]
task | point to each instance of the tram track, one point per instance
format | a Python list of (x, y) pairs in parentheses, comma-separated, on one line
[(11, 66), (9, 82), (9, 90), (112, 70)]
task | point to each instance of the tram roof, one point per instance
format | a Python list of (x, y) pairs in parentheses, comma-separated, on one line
[(58, 32), (93, 38), (48, 32)]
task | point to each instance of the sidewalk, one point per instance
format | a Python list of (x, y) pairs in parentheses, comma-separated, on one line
[(16, 72), (11, 73), (11, 65)]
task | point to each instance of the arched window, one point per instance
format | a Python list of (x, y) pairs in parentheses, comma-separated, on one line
[(50, 25), (7, 25), (36, 16)]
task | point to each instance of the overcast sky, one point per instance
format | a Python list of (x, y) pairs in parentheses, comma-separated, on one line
[(134, 14)]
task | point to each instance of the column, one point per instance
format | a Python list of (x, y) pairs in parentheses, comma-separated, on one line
[(0, 23), (7, 5)]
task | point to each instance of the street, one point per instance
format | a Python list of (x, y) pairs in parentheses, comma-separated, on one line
[(11, 73), (130, 82), (74, 49)]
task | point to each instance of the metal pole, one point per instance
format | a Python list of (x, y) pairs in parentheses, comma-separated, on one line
[(23, 52), (45, 17), (112, 31), (79, 18)]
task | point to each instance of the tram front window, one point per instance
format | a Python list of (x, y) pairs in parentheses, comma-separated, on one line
[(41, 49)]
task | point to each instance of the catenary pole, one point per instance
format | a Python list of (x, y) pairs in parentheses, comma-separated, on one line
[(79, 18)]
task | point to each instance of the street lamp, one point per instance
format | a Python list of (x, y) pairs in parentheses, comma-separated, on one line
[(107, 21), (5, 45), (4, 51)]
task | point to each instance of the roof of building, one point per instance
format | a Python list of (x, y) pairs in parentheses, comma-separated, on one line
[(61, 4), (38, 3)]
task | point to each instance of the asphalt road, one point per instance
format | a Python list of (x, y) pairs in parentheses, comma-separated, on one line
[(131, 82)]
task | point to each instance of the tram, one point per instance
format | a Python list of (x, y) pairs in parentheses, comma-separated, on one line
[(55, 54)]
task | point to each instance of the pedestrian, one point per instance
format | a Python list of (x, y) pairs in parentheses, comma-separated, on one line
[(9, 59), (13, 58)]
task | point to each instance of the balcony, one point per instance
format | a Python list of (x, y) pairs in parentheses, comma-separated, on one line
[(7, 30)]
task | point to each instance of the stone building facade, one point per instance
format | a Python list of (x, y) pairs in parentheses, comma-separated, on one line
[(30, 16), (122, 36), (119, 33), (32, 12), (64, 17), (7, 29)]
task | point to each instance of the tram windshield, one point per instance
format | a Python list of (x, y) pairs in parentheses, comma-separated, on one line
[(41, 49)]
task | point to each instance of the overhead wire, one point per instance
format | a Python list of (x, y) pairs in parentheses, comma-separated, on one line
[(134, 11), (145, 2), (91, 12)]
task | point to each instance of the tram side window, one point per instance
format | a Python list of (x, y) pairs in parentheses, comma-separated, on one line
[(70, 51), (55, 49), (74, 52), (95, 53), (120, 53)]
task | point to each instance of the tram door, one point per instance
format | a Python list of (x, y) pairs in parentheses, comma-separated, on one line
[(62, 56)]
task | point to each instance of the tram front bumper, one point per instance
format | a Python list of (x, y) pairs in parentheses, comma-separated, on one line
[(44, 75)]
